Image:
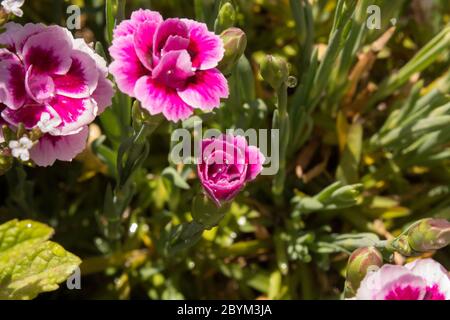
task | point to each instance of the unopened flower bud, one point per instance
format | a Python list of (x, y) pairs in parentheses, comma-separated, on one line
[(226, 17), (348, 193), (429, 234), (234, 42), (275, 71), (422, 236), (361, 261)]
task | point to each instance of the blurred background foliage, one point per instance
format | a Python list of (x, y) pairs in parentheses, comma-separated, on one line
[(368, 154)]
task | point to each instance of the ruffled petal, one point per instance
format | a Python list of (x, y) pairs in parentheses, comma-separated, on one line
[(205, 90), (49, 51), (433, 273), (391, 282), (157, 98), (65, 148), (12, 76), (9, 36), (143, 42), (170, 27), (174, 69), (39, 86), (128, 27), (28, 115), (126, 67), (175, 43), (205, 47), (103, 94), (81, 79), (28, 30), (255, 160), (74, 113)]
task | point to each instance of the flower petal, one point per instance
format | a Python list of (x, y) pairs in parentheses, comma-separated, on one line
[(143, 42), (174, 69), (12, 76), (29, 115), (255, 160), (205, 90), (128, 27), (39, 86), (81, 79), (391, 282), (433, 273), (170, 27), (103, 94), (49, 51), (205, 47), (157, 98), (126, 67), (65, 148), (74, 113)]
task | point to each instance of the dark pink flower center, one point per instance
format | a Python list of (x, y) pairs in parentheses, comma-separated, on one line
[(433, 293), (403, 293)]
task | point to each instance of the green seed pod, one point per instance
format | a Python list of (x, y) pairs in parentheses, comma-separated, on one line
[(361, 261)]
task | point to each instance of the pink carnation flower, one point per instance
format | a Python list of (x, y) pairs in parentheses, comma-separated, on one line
[(168, 65), (226, 165), (51, 81), (422, 279)]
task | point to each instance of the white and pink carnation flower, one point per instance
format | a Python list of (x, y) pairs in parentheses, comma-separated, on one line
[(168, 65), (422, 279), (51, 81)]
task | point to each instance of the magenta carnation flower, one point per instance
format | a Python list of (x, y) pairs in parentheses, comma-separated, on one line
[(168, 65), (226, 164), (51, 81), (422, 279)]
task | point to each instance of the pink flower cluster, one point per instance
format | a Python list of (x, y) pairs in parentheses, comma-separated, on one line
[(168, 65), (422, 279), (51, 81)]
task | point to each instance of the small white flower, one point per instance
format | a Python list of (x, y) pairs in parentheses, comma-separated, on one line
[(21, 149), (13, 6), (46, 124)]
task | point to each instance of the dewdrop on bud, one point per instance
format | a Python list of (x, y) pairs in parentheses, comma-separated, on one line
[(291, 82), (361, 261), (275, 71), (234, 42)]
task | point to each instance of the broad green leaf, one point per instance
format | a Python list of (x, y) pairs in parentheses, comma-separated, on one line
[(29, 263)]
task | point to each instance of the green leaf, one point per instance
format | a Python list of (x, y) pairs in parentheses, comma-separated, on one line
[(29, 263), (177, 180)]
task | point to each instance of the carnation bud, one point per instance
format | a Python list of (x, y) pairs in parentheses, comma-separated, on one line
[(226, 17), (275, 71), (347, 194), (429, 234), (361, 261), (423, 236), (234, 42)]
